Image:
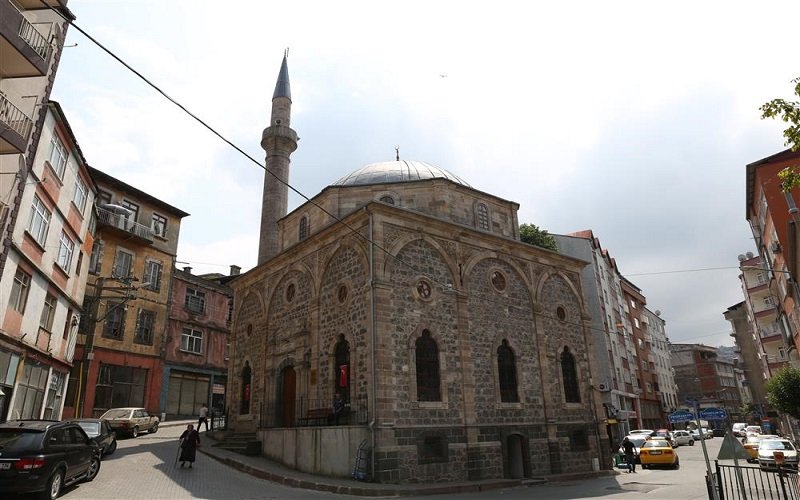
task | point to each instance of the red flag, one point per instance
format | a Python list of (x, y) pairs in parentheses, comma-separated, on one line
[(342, 375)]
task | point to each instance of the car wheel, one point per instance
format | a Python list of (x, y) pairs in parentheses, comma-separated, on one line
[(94, 468), (54, 484), (112, 448), (677, 464), (135, 431), (691, 443), (645, 466), (154, 429)]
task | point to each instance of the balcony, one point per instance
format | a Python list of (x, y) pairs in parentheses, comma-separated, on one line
[(15, 127), (123, 225), (24, 50)]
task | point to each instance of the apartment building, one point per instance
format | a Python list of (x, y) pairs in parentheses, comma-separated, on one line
[(119, 358), (43, 282), (196, 349), (704, 377), (31, 40), (659, 361)]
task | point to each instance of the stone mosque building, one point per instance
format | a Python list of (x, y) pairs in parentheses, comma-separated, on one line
[(460, 352)]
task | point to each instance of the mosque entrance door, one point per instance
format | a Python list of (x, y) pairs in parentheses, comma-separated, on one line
[(289, 395), (515, 453)]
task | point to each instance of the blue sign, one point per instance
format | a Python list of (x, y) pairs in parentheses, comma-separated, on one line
[(679, 416), (713, 414)]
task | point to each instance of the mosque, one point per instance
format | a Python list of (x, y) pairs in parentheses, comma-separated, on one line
[(458, 351)]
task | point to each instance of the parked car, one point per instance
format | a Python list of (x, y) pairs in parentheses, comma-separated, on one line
[(719, 432), (683, 438), (767, 449), (647, 432), (100, 432), (657, 451), (752, 429), (43, 456), (638, 440), (131, 421), (739, 429), (751, 444)]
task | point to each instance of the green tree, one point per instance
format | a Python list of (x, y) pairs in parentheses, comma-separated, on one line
[(783, 391), (789, 112), (533, 235)]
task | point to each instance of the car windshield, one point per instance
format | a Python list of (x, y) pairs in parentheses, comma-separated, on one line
[(17, 440), (117, 413), (637, 441), (656, 443), (775, 444), (91, 428)]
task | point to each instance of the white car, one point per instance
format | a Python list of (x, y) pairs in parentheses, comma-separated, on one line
[(752, 429), (683, 438), (638, 440), (767, 449), (739, 429), (706, 433), (647, 432)]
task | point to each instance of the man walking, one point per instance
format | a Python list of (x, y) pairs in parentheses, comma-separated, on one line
[(627, 447), (203, 417)]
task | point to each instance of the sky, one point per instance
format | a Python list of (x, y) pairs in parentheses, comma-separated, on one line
[(633, 119)]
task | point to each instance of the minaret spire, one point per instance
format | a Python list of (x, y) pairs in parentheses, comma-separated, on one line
[(279, 141)]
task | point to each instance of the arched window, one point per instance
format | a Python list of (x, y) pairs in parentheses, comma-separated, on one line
[(342, 366), (303, 227), (387, 199), (244, 407), (482, 216), (507, 373), (572, 393), (427, 368)]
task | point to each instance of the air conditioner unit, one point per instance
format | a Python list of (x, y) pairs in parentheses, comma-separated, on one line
[(604, 387)]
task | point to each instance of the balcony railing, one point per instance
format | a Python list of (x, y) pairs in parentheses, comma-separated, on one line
[(34, 39), (123, 223), (12, 116)]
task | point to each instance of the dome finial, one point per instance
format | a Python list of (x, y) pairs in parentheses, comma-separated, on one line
[(397, 153)]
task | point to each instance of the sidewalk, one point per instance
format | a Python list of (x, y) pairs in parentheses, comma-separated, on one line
[(264, 468), (174, 423)]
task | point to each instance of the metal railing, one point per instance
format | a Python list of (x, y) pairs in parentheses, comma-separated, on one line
[(12, 116), (757, 483), (119, 221), (30, 35), (313, 413)]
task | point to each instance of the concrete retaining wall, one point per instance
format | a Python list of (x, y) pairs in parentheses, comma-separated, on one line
[(327, 451)]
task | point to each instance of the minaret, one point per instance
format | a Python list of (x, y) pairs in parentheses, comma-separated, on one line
[(279, 141)]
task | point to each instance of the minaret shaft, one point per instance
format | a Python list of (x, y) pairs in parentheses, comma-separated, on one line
[(279, 142)]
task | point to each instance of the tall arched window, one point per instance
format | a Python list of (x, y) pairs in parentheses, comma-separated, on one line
[(342, 368), (482, 216), (244, 407), (303, 227), (507, 373), (569, 375), (427, 368)]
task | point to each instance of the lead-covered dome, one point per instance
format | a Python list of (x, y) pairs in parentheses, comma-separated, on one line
[(396, 171)]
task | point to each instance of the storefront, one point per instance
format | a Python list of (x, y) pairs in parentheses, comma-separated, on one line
[(188, 390)]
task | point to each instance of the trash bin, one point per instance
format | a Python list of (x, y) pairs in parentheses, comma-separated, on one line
[(619, 460)]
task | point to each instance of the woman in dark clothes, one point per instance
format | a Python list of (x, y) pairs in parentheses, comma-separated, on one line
[(190, 440)]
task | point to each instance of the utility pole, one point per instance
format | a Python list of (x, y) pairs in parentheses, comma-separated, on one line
[(124, 293)]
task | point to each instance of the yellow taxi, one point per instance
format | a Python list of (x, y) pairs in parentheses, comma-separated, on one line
[(751, 445), (658, 451)]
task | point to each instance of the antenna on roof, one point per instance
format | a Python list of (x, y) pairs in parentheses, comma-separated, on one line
[(397, 153)]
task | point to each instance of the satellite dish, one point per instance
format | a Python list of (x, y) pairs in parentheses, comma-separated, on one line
[(117, 209), (749, 255), (742, 258), (658, 312)]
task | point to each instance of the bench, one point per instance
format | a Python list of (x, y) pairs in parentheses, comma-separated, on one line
[(317, 416)]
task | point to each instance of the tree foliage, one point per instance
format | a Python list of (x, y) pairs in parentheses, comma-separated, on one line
[(783, 391), (788, 112), (533, 235)]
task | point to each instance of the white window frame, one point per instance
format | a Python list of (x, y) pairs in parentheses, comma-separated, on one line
[(19, 291), (152, 274), (66, 249), (39, 221), (192, 341), (48, 312), (81, 194), (195, 300), (115, 272), (58, 155)]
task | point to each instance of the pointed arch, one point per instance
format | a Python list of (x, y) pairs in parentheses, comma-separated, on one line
[(402, 242), (479, 257), (546, 276)]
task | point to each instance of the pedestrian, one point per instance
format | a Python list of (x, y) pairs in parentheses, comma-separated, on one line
[(338, 408), (189, 442), (203, 417), (628, 449)]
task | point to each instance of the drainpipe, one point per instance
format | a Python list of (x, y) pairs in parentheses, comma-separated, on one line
[(371, 424)]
